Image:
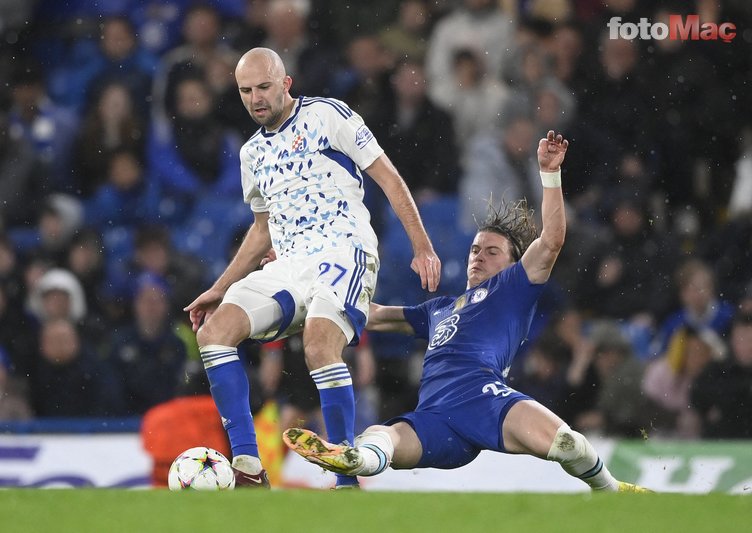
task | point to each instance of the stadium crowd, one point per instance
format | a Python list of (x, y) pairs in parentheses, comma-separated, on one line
[(120, 195)]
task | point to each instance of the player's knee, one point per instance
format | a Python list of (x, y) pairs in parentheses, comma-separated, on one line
[(209, 333), (204, 335), (319, 353), (568, 446), (228, 326)]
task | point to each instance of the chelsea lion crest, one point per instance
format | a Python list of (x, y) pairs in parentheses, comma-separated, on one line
[(479, 295)]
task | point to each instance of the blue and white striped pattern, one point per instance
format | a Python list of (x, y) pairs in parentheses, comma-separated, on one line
[(332, 376), (356, 280), (339, 106), (215, 355)]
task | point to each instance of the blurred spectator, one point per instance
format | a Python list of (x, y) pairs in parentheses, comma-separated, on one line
[(18, 340), (110, 124), (86, 260), (307, 60), (158, 23), (195, 155), (154, 253), (581, 378), (567, 50), (677, 86), (21, 179), (619, 409), (69, 380), (531, 68), (727, 247), (14, 402), (554, 107), (228, 107), (11, 273), (722, 394), (478, 25), (700, 306), (114, 57), (59, 294), (548, 10), (616, 106), (475, 100), (415, 126), (201, 29), (363, 82), (147, 356), (49, 128), (628, 273), (59, 217), (407, 37), (129, 197), (668, 380), (248, 31), (740, 201), (544, 372), (500, 165), (745, 301)]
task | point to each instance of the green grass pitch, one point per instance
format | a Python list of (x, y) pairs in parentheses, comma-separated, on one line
[(309, 511)]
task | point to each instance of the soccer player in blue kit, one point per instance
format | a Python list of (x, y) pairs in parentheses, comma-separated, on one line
[(464, 404)]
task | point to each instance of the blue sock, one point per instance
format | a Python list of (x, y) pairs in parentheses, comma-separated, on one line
[(231, 392), (338, 407)]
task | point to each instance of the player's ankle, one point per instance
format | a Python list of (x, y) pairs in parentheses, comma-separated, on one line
[(247, 463), (376, 451)]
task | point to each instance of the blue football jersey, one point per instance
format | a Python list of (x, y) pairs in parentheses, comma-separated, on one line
[(478, 332)]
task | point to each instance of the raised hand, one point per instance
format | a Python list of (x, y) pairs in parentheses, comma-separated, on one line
[(551, 151)]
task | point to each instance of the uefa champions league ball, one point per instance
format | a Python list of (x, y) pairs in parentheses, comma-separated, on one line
[(201, 468)]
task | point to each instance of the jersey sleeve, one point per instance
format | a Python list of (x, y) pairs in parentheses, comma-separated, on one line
[(349, 134), (515, 290), (251, 194), (418, 317)]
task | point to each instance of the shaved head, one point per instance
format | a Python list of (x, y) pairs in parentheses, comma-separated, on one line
[(264, 87), (266, 58)]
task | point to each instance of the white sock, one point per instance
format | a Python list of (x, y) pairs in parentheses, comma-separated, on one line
[(578, 458), (376, 449), (247, 463)]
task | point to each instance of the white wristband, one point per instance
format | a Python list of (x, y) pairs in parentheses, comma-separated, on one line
[(551, 180)]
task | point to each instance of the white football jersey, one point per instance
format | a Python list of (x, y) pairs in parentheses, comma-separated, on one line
[(307, 176)]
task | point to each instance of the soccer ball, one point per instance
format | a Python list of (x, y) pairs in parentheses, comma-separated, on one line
[(201, 468)]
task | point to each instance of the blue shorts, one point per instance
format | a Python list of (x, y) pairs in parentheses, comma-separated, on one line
[(454, 434)]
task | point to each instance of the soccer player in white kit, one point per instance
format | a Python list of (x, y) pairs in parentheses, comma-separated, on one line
[(302, 175)]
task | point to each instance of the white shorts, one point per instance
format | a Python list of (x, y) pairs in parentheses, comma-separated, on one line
[(337, 283)]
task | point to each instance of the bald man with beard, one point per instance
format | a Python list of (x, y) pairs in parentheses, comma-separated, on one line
[(302, 175)]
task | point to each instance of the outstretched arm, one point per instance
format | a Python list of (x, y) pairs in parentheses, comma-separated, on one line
[(425, 261), (539, 259), (390, 319)]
